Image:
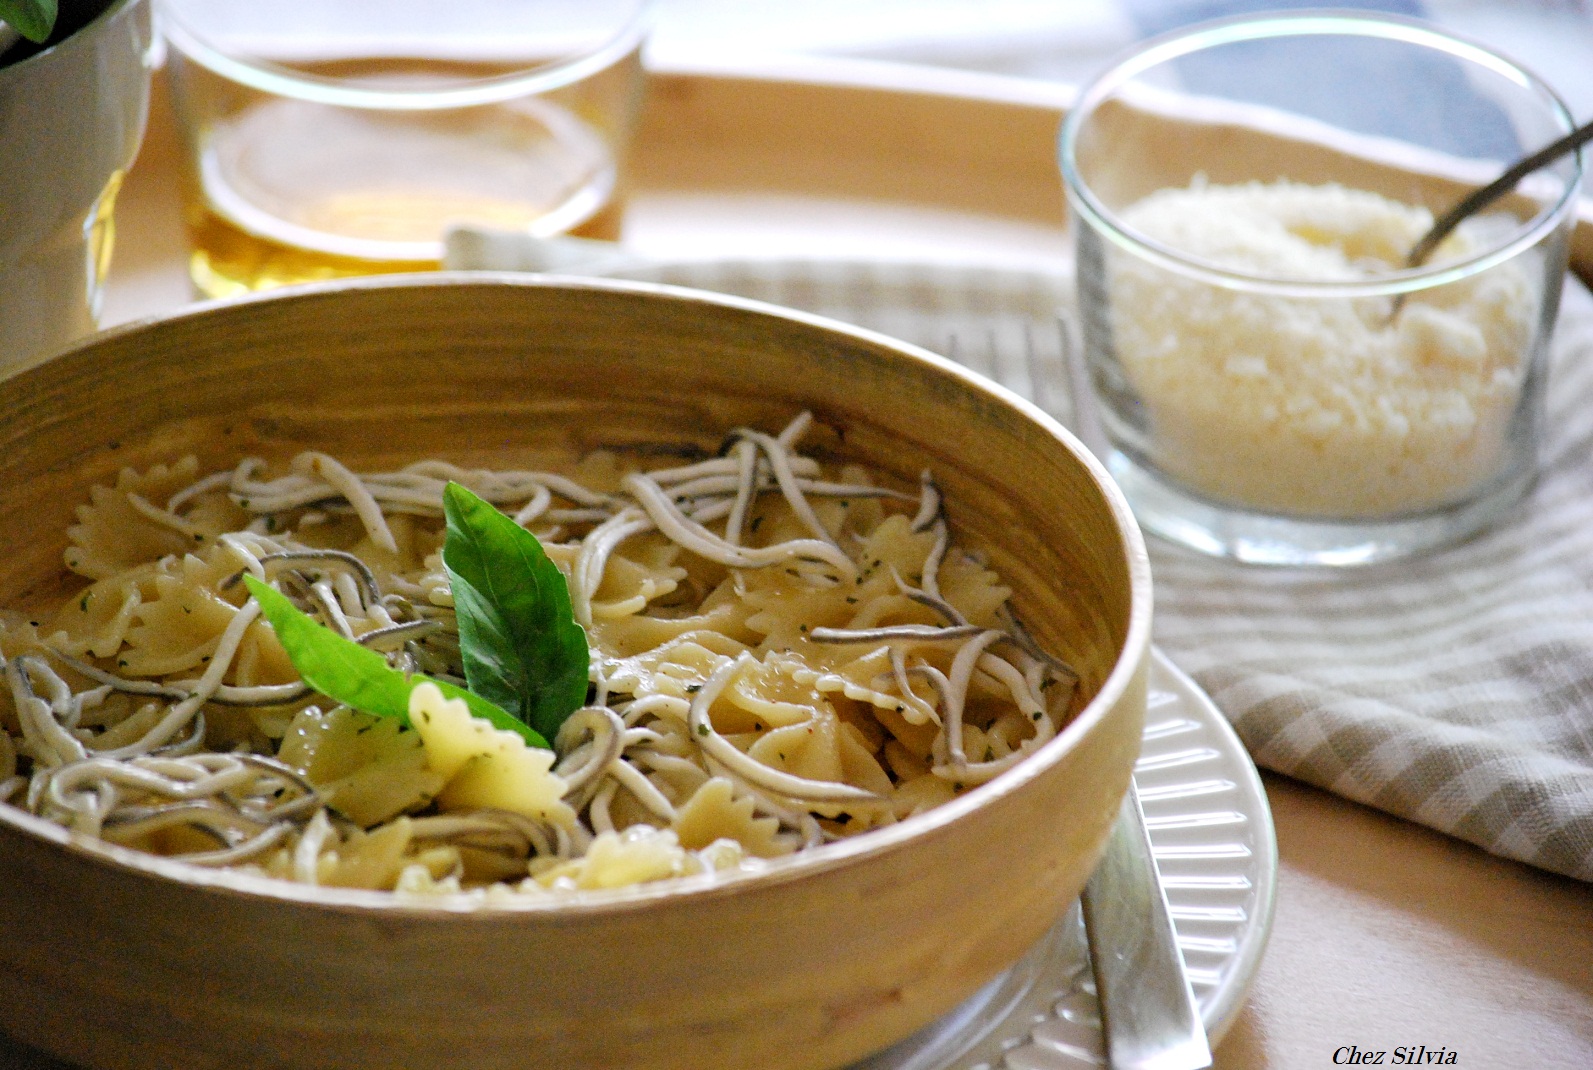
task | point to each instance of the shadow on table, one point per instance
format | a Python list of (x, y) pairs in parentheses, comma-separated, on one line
[(15, 1055)]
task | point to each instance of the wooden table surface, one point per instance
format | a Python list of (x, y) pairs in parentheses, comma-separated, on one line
[(1386, 934)]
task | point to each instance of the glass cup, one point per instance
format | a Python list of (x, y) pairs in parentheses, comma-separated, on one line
[(344, 137), (1275, 384)]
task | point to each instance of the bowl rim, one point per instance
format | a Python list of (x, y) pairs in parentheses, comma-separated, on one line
[(799, 865)]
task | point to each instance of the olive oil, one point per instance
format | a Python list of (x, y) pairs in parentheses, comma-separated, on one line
[(285, 190)]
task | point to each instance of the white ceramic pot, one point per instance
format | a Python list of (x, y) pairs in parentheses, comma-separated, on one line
[(71, 118)]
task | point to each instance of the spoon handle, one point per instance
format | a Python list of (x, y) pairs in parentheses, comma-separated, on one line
[(1496, 189)]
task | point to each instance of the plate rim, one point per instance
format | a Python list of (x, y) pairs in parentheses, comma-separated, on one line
[(1230, 998)]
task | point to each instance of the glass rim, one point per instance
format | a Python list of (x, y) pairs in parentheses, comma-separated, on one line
[(285, 81), (1310, 23)]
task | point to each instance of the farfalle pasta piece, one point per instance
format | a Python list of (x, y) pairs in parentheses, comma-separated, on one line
[(714, 813), (95, 621), (858, 678), (368, 768), (809, 749), (973, 590), (859, 764), (637, 855), (676, 669), (177, 628), (371, 859), (766, 696), (636, 577), (637, 634), (483, 766), (113, 533)]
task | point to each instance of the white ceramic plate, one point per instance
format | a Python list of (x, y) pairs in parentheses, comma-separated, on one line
[(1211, 830)]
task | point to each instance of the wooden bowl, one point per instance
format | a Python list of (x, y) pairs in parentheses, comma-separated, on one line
[(116, 959)]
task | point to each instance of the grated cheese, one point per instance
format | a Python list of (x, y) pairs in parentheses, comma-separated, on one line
[(1318, 406)]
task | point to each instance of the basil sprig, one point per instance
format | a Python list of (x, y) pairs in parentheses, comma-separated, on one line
[(521, 646), (33, 19), (346, 672)]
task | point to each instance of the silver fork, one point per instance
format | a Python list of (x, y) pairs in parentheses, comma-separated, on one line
[(1148, 1010)]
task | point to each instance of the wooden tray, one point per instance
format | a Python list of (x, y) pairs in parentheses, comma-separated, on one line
[(1386, 934), (803, 157)]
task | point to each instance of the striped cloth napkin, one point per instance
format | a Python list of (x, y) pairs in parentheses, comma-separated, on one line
[(1455, 689)]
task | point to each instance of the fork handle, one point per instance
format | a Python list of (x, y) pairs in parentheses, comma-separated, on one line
[(1148, 1010)]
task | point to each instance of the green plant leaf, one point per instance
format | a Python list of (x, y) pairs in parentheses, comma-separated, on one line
[(33, 19), (517, 632), (346, 672)]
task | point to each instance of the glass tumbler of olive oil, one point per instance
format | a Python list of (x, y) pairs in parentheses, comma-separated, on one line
[(345, 137)]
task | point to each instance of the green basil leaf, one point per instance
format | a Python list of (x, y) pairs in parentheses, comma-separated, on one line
[(517, 632), (358, 677), (33, 19)]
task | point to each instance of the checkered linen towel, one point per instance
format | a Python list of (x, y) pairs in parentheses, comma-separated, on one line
[(1455, 690)]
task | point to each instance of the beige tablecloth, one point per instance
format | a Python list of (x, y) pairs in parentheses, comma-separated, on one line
[(1455, 690)]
